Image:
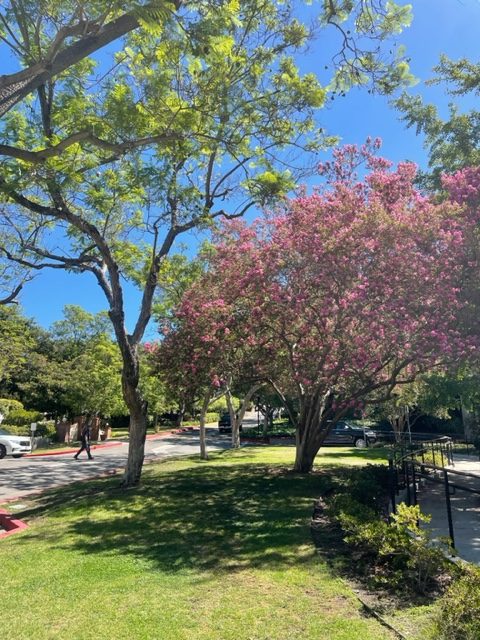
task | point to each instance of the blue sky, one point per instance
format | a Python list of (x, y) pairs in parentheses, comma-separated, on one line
[(439, 26)]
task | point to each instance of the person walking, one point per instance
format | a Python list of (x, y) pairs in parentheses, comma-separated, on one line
[(85, 439)]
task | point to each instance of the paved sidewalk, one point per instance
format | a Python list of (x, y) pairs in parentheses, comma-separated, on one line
[(465, 508)]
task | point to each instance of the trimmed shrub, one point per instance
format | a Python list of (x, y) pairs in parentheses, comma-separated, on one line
[(368, 486), (15, 430), (23, 417), (45, 429), (7, 405), (209, 417)]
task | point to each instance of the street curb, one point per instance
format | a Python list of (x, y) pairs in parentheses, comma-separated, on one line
[(66, 452), (10, 524)]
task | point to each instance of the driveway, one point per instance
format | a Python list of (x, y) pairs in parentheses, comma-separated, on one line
[(19, 477)]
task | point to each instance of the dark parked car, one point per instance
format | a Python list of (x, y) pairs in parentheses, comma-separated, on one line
[(225, 424), (346, 433)]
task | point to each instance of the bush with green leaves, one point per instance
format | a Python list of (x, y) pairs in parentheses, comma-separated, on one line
[(23, 417), (458, 611), (45, 429), (7, 405), (368, 486), (15, 430), (394, 553), (209, 417)]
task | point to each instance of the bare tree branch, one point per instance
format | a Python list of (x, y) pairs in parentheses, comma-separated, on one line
[(37, 157), (13, 295)]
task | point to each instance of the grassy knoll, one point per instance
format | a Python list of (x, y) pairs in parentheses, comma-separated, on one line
[(202, 550)]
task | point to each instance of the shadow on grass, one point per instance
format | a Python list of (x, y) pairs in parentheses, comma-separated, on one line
[(216, 517), (378, 453)]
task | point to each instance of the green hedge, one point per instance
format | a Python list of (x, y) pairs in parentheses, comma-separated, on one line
[(15, 429), (44, 429), (9, 404), (23, 417)]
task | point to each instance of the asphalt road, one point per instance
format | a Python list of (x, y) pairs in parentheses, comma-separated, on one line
[(21, 476)]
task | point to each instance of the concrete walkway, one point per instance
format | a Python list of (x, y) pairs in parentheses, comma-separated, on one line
[(465, 507)]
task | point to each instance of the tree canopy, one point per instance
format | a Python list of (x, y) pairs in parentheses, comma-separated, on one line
[(202, 116), (49, 37), (349, 292), (453, 142), (69, 369)]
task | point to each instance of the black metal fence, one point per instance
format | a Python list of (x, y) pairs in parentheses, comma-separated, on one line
[(432, 461)]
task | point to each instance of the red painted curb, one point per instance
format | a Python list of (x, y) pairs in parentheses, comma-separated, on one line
[(164, 434), (10, 524), (65, 452)]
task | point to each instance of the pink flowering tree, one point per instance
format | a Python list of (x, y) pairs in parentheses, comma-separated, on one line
[(354, 290), (205, 354), (188, 378)]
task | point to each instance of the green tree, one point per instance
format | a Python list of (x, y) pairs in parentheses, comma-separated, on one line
[(78, 329), (453, 142), (152, 389), (63, 34), (201, 119), (93, 381), (71, 368), (17, 340), (177, 274)]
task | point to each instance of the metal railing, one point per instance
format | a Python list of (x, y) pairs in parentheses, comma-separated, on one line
[(428, 461)]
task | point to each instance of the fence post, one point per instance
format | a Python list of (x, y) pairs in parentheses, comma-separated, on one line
[(449, 507), (441, 453), (391, 483), (407, 481), (414, 486), (433, 454)]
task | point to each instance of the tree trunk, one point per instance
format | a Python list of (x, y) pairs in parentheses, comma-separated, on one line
[(468, 420), (137, 408), (266, 422), (311, 431), (180, 415), (398, 424), (203, 412), (305, 456), (309, 441), (233, 421), (237, 419)]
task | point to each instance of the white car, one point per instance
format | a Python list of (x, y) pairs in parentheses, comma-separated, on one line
[(11, 445)]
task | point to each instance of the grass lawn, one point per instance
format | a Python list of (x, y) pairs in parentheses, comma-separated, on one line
[(202, 550)]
